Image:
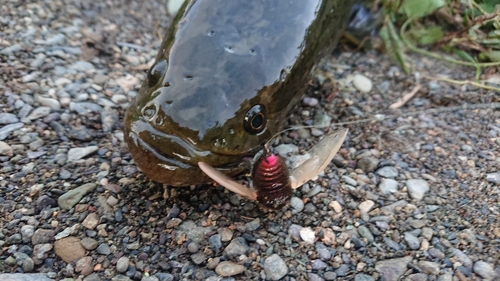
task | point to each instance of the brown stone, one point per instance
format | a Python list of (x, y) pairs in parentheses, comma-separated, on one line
[(229, 268), (69, 249), (84, 266)]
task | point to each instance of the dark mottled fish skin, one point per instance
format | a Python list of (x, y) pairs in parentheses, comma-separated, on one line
[(223, 58)]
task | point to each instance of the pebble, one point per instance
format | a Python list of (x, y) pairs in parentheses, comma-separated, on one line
[(462, 257), (388, 172), (6, 149), (226, 234), (25, 277), (318, 265), (366, 233), (366, 206), (6, 130), (122, 264), (412, 241), (78, 153), (493, 178), (275, 267), (362, 83), (89, 243), (103, 249), (237, 247), (363, 277), (308, 235), (42, 236), (297, 205), (229, 268), (485, 270), (39, 112), (72, 197), (314, 277), (367, 164), (28, 265), (388, 186), (8, 118), (199, 258), (417, 188), (308, 101), (392, 269), (429, 267), (69, 249), (91, 221), (335, 205), (84, 266)]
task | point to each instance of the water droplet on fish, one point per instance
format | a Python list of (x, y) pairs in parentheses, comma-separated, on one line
[(211, 33), (253, 52), (229, 49)]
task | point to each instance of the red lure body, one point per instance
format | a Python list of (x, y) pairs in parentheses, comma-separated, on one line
[(271, 179)]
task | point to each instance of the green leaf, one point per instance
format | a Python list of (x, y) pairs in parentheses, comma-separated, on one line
[(421, 8), (393, 43), (427, 36), (492, 55), (463, 55)]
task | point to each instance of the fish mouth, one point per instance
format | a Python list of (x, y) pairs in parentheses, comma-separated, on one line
[(175, 152)]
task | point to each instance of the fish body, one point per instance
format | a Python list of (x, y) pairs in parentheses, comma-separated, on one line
[(224, 80)]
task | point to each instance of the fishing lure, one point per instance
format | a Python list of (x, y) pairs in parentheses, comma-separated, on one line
[(272, 182)]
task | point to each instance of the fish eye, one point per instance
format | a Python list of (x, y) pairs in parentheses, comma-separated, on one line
[(256, 119), (156, 72)]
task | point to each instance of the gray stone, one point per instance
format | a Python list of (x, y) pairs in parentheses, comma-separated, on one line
[(366, 233), (318, 265), (428, 267), (104, 249), (39, 112), (9, 118), (462, 257), (314, 277), (388, 186), (445, 277), (80, 152), (412, 241), (237, 247), (363, 277), (28, 265), (275, 267), (417, 188), (192, 231), (392, 269), (43, 236), (72, 197), (89, 243), (6, 130), (24, 277), (122, 264), (27, 232), (387, 172), (297, 205), (485, 270), (367, 164), (199, 258)]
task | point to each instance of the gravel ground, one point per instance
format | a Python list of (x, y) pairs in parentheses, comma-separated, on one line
[(412, 197)]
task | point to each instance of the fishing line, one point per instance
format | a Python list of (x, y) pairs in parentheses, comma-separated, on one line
[(382, 117)]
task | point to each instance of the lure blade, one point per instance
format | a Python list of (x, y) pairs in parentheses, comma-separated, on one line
[(322, 153), (227, 182)]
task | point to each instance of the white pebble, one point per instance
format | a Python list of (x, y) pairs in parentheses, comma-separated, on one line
[(362, 83)]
